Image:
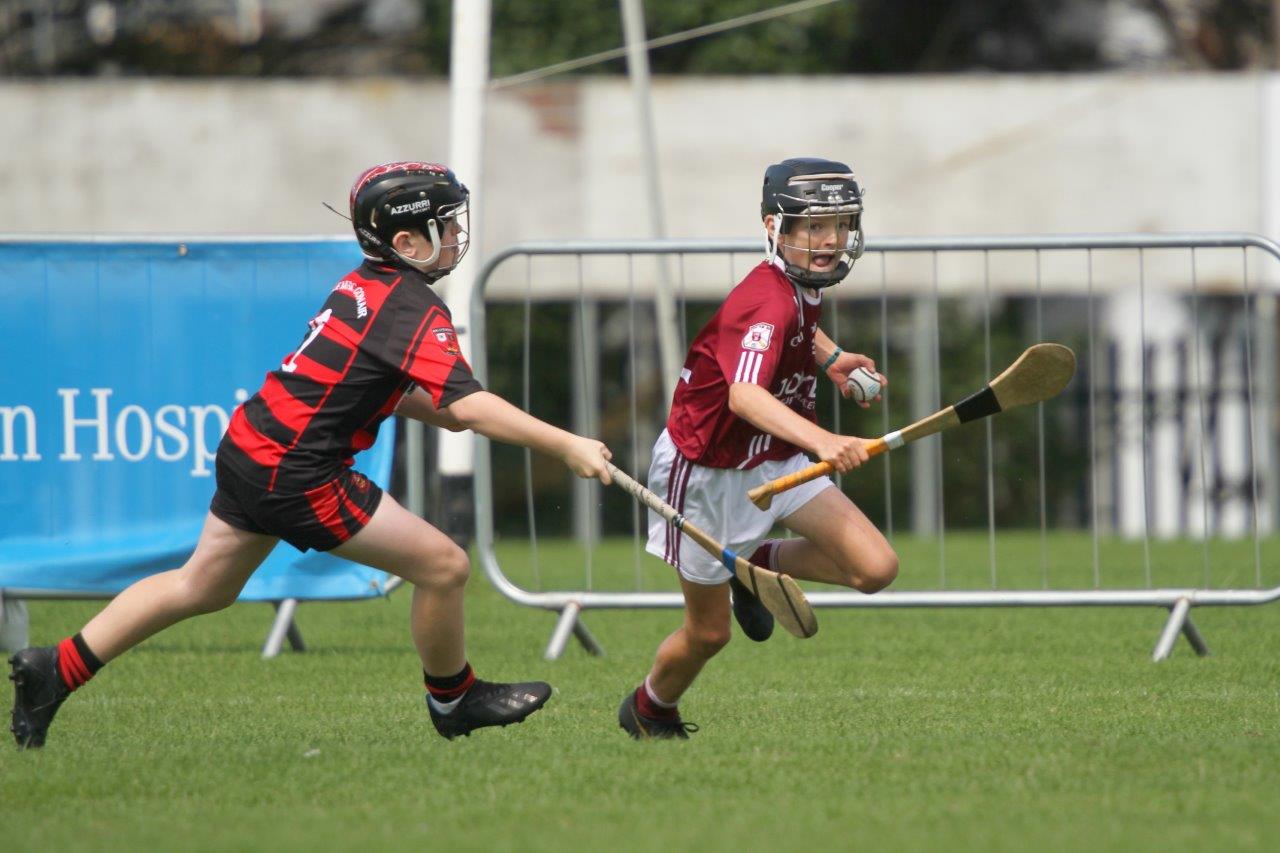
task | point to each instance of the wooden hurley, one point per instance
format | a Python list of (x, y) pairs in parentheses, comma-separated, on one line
[(1039, 373), (779, 593)]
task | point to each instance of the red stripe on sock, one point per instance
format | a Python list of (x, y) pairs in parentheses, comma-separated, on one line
[(78, 667), (71, 666), (448, 695)]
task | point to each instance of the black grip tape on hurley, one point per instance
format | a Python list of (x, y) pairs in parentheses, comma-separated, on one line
[(977, 405)]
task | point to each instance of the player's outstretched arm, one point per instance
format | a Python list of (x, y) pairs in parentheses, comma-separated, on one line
[(417, 405), (754, 404), (492, 416)]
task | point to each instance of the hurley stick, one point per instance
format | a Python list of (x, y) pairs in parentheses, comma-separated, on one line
[(779, 593), (1041, 372)]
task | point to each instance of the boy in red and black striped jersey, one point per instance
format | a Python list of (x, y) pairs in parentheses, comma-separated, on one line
[(382, 343), (744, 414)]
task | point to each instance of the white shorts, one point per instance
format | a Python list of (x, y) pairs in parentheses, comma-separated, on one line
[(715, 500)]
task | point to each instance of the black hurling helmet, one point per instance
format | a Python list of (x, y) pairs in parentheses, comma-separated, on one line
[(407, 195), (799, 189)]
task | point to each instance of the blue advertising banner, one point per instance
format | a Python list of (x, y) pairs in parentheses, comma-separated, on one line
[(122, 363)]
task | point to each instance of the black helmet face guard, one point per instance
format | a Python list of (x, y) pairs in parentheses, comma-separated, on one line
[(820, 204)]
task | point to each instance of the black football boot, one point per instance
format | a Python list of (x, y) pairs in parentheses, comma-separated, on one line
[(753, 617), (490, 703), (38, 692), (641, 727)]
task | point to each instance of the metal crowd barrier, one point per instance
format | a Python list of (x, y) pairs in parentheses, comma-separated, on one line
[(1179, 443)]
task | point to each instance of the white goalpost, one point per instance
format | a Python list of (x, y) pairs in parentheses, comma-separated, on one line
[(469, 84)]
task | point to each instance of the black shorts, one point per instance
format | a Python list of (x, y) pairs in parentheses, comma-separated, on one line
[(321, 518)]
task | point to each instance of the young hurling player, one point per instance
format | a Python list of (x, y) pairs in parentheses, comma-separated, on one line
[(743, 414), (382, 343)]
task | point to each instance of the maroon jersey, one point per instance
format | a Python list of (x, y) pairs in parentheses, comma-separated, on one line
[(380, 332), (763, 334)]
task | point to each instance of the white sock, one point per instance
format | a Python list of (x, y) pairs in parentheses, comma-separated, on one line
[(443, 707), (653, 697)]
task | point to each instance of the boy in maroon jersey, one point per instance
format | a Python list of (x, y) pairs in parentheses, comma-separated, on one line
[(743, 414), (382, 343)]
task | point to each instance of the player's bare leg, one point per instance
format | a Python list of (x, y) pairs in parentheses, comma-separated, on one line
[(210, 580), (397, 541), (650, 712), (838, 544), (704, 633)]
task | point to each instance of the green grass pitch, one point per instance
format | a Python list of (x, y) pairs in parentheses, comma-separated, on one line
[(988, 729)]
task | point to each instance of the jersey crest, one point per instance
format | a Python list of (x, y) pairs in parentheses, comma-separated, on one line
[(758, 337), (448, 340)]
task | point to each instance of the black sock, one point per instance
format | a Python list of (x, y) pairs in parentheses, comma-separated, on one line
[(447, 688)]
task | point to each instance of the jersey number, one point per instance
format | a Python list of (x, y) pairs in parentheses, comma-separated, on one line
[(316, 325)]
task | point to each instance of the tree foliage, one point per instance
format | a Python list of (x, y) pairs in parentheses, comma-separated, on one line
[(411, 37)]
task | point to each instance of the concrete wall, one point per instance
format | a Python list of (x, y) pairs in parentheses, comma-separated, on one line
[(964, 155), (938, 155)]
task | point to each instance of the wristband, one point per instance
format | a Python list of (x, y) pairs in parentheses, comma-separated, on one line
[(831, 359)]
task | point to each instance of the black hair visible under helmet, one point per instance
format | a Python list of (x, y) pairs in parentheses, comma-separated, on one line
[(811, 186)]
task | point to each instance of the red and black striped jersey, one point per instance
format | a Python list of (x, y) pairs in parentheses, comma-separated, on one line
[(381, 331)]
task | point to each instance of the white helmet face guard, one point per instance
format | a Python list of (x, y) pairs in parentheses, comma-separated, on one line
[(459, 213), (788, 222)]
